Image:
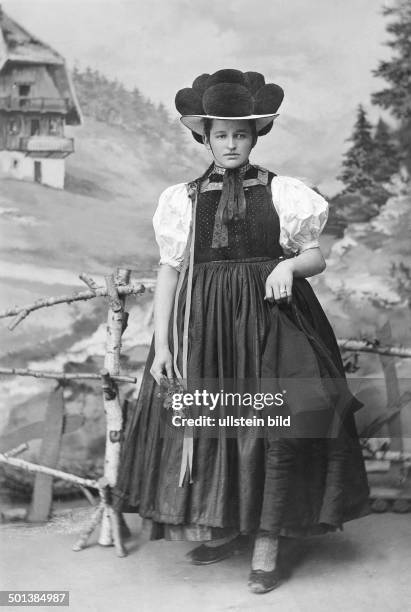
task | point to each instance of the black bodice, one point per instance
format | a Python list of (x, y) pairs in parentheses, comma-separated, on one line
[(255, 236)]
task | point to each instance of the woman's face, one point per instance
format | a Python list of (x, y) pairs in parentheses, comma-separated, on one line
[(230, 142)]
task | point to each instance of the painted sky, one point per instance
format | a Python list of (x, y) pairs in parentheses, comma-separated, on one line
[(321, 52)]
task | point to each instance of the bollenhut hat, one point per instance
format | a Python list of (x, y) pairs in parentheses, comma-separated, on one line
[(229, 94)]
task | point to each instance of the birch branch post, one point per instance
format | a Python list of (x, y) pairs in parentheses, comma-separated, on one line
[(117, 288), (101, 485), (116, 321), (35, 468), (21, 312), (90, 282)]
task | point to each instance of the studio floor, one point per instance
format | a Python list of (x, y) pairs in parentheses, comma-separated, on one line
[(364, 568)]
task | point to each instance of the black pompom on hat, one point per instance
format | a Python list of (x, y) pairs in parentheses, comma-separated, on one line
[(229, 94)]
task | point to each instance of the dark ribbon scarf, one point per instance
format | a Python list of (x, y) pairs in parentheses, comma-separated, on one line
[(232, 206)]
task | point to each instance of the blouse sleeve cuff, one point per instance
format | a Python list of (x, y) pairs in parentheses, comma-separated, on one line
[(313, 244), (173, 263)]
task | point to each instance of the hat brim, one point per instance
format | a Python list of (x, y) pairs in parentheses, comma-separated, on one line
[(195, 123)]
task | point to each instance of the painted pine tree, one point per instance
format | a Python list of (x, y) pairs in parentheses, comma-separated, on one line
[(357, 165), (386, 155), (396, 97)]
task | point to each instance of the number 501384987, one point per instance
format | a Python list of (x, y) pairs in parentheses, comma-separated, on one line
[(33, 598)]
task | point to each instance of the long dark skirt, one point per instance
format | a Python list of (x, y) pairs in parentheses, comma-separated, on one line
[(247, 478)]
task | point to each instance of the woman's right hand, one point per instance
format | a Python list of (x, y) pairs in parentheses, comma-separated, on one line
[(162, 364)]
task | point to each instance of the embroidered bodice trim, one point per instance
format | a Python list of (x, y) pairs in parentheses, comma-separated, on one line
[(301, 210)]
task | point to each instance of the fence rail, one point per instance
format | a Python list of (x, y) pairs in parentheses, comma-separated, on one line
[(365, 346), (64, 375)]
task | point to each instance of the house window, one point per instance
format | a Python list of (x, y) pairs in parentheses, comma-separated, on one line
[(24, 90), (54, 126), (14, 126), (34, 127)]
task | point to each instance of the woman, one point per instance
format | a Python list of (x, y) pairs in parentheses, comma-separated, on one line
[(234, 312)]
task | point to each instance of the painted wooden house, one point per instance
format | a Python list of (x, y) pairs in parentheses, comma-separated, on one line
[(37, 101)]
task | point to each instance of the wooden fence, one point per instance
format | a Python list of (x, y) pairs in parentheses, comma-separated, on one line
[(56, 423), (112, 526), (396, 493)]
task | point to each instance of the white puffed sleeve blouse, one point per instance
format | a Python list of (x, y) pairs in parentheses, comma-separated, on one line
[(302, 212)]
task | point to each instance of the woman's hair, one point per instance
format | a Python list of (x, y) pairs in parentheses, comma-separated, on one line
[(209, 122)]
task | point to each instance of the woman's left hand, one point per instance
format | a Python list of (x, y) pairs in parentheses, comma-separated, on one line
[(279, 284)]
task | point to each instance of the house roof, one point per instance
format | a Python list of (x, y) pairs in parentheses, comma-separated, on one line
[(20, 47)]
